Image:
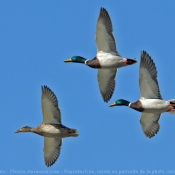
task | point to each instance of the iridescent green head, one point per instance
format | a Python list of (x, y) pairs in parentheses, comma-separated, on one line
[(76, 59), (120, 102)]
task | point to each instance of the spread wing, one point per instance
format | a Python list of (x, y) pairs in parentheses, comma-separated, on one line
[(52, 148), (149, 87), (104, 38), (106, 80), (150, 125), (50, 109)]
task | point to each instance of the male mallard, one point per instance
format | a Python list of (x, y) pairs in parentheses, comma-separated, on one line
[(51, 128), (107, 59), (151, 103)]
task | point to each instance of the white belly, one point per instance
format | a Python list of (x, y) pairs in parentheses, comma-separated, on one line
[(107, 60), (155, 105)]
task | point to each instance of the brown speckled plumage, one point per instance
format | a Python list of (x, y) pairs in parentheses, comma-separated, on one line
[(51, 128)]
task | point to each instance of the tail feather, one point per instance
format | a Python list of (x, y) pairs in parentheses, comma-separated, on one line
[(172, 102), (130, 61)]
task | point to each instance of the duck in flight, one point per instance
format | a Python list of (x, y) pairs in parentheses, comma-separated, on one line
[(107, 60), (51, 128), (151, 103)]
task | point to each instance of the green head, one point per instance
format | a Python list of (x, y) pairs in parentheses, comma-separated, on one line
[(76, 59), (120, 102)]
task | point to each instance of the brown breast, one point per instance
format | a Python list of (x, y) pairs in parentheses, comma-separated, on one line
[(94, 63), (137, 106)]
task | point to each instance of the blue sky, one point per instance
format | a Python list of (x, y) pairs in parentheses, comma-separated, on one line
[(35, 38)]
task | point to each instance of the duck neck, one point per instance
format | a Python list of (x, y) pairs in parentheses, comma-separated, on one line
[(28, 129)]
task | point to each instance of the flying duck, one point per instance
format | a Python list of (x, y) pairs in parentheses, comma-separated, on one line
[(150, 103), (51, 128), (107, 60)]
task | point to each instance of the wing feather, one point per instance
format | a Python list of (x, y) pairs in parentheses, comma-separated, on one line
[(150, 125), (104, 36), (52, 147), (149, 87), (106, 80), (50, 109)]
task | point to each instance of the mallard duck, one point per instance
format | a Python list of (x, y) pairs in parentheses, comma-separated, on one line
[(107, 59), (51, 128), (151, 103)]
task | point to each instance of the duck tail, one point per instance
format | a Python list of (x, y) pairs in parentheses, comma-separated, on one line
[(130, 61), (172, 102)]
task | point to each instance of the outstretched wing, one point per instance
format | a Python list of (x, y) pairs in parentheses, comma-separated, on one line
[(52, 148), (149, 87), (106, 80), (150, 125), (50, 109), (104, 38)]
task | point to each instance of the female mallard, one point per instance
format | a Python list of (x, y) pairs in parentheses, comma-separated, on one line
[(51, 128), (107, 59), (151, 103)]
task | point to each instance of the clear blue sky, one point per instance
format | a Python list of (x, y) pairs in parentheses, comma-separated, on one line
[(35, 38)]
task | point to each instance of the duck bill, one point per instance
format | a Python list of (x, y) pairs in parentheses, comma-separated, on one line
[(113, 104), (68, 60), (17, 131)]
